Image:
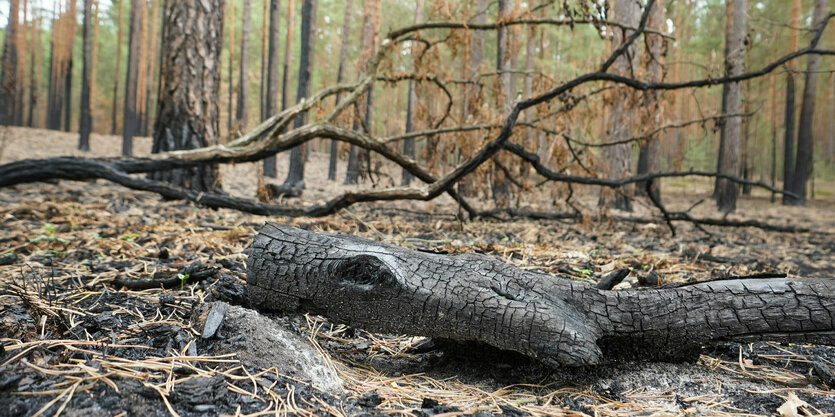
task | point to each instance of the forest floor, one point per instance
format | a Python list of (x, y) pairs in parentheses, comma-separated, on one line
[(75, 340)]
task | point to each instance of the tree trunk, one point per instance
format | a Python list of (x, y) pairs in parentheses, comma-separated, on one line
[(265, 56), (288, 55), (85, 124), (618, 158), (130, 119), (295, 174), (340, 77), (9, 78), (805, 142), (187, 108), (271, 99), (476, 298), (34, 71), (649, 150), (411, 99), (358, 158), (243, 87), (727, 191), (118, 74), (499, 183), (153, 51), (789, 118)]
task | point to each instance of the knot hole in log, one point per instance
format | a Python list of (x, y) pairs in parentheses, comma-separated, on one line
[(365, 272)]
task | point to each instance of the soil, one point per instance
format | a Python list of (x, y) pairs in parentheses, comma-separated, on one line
[(78, 340)]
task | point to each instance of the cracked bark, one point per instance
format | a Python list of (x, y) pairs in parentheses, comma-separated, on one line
[(476, 298)]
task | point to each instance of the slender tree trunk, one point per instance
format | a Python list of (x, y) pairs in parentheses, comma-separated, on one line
[(151, 55), (85, 124), (411, 99), (34, 71), (118, 74), (722, 131), (243, 85), (231, 101), (727, 191), (271, 99), (187, 108), (772, 93), (69, 36), (357, 157), (9, 78), (789, 118), (340, 77), (649, 151), (130, 119), (805, 141), (530, 51), (20, 40), (265, 56), (295, 174), (830, 152), (618, 158), (288, 55), (499, 183)]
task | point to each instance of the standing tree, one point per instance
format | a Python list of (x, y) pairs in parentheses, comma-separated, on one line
[(805, 142), (265, 41), (271, 96), (9, 78), (294, 184), (69, 37), (34, 70), (85, 124), (118, 74), (187, 107), (340, 77), (618, 158), (243, 90), (231, 101), (411, 98), (788, 120), (151, 65), (130, 119), (654, 111), (727, 191)]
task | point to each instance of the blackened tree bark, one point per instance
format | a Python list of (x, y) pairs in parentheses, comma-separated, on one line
[(499, 184), (727, 191), (789, 118), (618, 158), (340, 77), (130, 118), (265, 56), (187, 108), (9, 78), (271, 96), (118, 74), (34, 71), (243, 87), (411, 99), (152, 52), (805, 142), (69, 38), (476, 298), (85, 124), (230, 104), (653, 58), (295, 174)]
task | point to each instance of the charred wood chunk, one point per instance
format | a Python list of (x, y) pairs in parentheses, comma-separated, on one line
[(476, 298)]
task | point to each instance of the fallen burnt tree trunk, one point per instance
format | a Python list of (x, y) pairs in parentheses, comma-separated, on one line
[(477, 298)]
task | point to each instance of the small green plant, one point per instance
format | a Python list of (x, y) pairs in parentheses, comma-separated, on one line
[(584, 272), (130, 237), (47, 233), (183, 278)]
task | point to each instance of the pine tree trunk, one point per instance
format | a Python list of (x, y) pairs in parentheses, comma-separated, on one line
[(789, 118), (151, 57), (188, 110), (411, 100), (9, 77), (34, 72), (85, 124), (243, 87), (130, 119), (118, 74), (340, 77), (295, 174), (618, 158), (358, 158), (265, 54), (230, 125), (271, 96), (499, 184), (727, 191), (805, 142), (649, 152)]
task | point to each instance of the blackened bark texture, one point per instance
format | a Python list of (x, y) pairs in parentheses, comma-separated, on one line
[(130, 119), (618, 158), (295, 174), (470, 297), (118, 75), (727, 191), (243, 87), (805, 142), (411, 99), (85, 124), (271, 99), (187, 108), (499, 183), (340, 77), (789, 118), (9, 78), (653, 57)]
